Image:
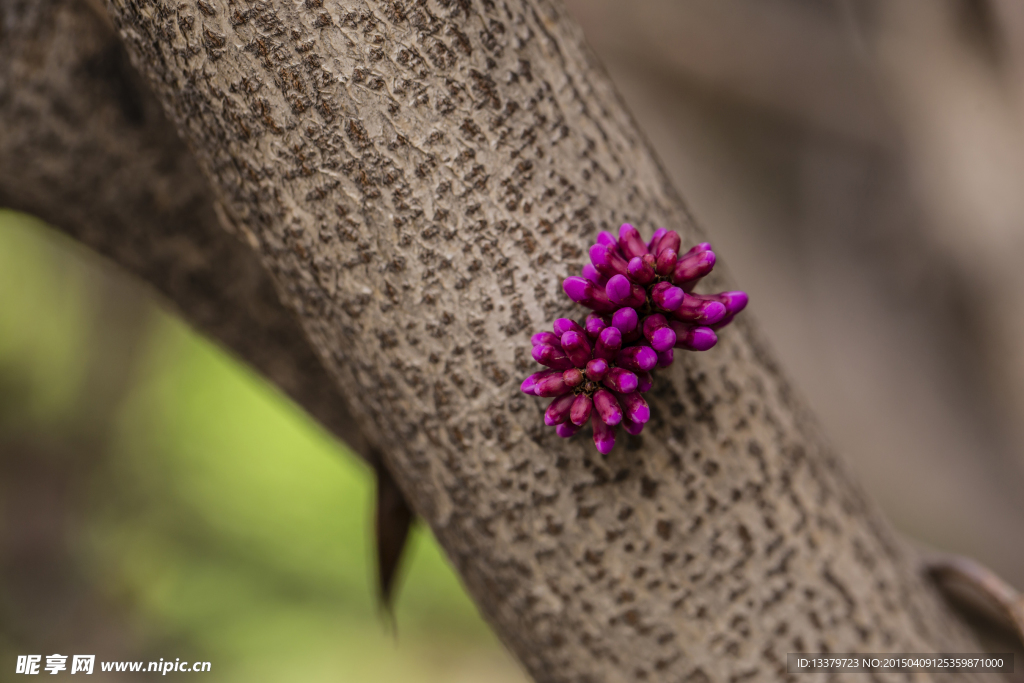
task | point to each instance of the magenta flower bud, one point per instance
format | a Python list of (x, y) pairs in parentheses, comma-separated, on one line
[(666, 262), (607, 260), (630, 242), (596, 369), (638, 297), (637, 358), (669, 241), (658, 332), (631, 427), (622, 381), (551, 386), (573, 377), (607, 407), (635, 407), (552, 356), (594, 325), (692, 267), (548, 338), (734, 301), (693, 337), (566, 429), (604, 436), (601, 367), (529, 385), (580, 411), (563, 325), (608, 343), (577, 288), (576, 347), (644, 382), (640, 271), (667, 296), (558, 411), (590, 272), (701, 311), (585, 292), (618, 288), (625, 320), (652, 246)]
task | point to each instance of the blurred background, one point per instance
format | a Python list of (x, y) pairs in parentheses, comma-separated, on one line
[(859, 167)]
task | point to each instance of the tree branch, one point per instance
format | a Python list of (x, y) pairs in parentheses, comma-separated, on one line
[(418, 178), (87, 148)]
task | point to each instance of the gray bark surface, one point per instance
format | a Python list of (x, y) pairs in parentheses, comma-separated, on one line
[(85, 146), (418, 178)]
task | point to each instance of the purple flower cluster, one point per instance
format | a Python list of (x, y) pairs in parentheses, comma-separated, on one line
[(644, 308)]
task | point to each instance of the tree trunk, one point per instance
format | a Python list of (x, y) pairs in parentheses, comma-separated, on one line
[(419, 177)]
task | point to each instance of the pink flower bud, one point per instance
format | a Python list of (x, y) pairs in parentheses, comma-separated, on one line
[(622, 381), (618, 288), (585, 292), (644, 382), (667, 296), (596, 369), (549, 338), (580, 412), (669, 241), (630, 243), (596, 323), (558, 411), (607, 407), (625, 320), (608, 343), (607, 260), (635, 407), (604, 435), (529, 385), (692, 267), (576, 347), (701, 311), (652, 246), (590, 272), (563, 325), (551, 386), (693, 337), (637, 358), (631, 427), (573, 377), (658, 333), (666, 262), (551, 356), (566, 429)]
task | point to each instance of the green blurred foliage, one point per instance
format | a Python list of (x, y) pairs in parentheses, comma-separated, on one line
[(220, 515)]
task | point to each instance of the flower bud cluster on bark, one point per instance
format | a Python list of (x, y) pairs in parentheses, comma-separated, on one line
[(644, 308)]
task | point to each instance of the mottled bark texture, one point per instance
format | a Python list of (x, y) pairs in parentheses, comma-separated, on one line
[(85, 146), (418, 177)]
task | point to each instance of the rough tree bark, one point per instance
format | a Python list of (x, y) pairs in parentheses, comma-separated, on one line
[(418, 177)]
